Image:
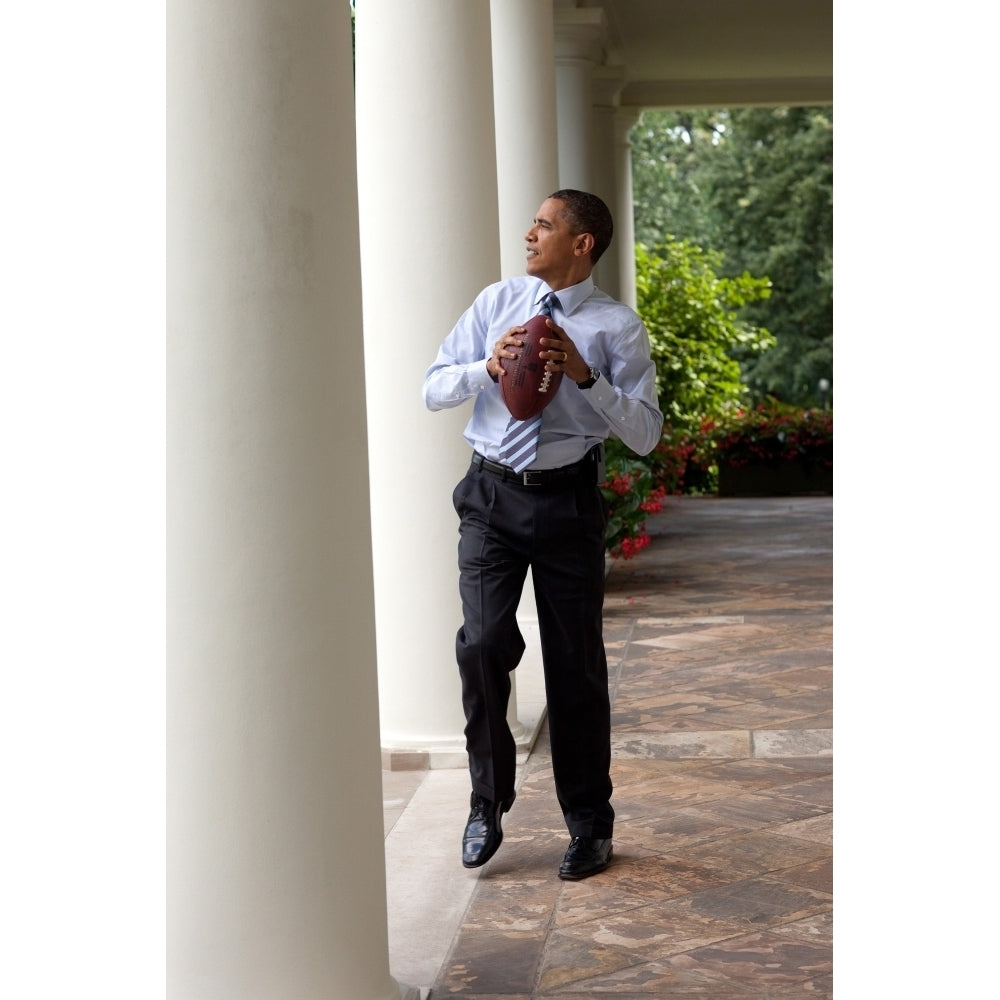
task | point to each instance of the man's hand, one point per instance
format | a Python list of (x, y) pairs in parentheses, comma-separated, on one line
[(504, 348), (562, 355)]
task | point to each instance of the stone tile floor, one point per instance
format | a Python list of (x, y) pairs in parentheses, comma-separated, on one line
[(719, 640)]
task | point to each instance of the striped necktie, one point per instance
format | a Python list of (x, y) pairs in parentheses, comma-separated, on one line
[(520, 440)]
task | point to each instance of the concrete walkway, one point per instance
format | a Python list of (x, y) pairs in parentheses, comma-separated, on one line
[(719, 640)]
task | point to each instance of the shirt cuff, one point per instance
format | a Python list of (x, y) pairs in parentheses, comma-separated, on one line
[(480, 373)]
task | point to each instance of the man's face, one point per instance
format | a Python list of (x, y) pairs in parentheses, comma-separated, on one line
[(552, 249)]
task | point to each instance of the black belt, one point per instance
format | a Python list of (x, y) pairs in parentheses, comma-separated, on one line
[(563, 476)]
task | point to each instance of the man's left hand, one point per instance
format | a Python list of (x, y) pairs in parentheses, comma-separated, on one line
[(561, 355)]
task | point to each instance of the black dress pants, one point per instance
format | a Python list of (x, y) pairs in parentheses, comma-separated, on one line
[(559, 532)]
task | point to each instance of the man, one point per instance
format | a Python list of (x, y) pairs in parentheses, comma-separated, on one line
[(537, 503)]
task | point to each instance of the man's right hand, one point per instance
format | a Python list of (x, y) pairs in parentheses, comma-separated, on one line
[(504, 348)]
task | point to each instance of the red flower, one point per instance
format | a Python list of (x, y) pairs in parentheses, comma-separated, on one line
[(634, 545), (653, 504), (621, 485)]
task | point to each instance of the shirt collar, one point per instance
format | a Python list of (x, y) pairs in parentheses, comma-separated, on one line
[(569, 298)]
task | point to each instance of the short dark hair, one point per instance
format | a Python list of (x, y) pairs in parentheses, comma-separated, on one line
[(586, 213)]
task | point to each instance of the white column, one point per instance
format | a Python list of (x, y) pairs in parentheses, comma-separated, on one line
[(429, 244), (624, 209), (579, 48), (580, 35), (575, 123), (524, 100), (606, 84), (275, 865)]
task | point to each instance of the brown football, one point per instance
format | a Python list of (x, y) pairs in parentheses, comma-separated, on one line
[(526, 386)]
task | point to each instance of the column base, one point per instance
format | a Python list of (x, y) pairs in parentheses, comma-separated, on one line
[(413, 992), (401, 757)]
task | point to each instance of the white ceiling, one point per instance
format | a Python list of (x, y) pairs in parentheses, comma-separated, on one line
[(723, 53)]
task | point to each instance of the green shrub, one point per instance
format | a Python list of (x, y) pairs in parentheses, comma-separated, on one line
[(692, 316)]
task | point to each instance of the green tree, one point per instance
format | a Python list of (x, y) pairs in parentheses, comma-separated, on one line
[(773, 196), (756, 185), (695, 330), (670, 154)]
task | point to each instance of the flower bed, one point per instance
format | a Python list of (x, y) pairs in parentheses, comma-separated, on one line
[(774, 450), (775, 434)]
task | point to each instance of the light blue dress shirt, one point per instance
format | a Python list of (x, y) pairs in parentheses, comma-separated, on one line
[(609, 336)]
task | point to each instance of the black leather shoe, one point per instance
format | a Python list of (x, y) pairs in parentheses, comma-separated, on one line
[(586, 856), (482, 832)]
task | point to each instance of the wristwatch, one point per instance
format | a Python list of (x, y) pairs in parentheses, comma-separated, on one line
[(595, 374)]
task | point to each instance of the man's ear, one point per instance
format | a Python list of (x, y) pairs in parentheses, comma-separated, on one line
[(584, 244)]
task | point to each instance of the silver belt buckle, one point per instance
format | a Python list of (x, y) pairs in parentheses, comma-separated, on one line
[(526, 479)]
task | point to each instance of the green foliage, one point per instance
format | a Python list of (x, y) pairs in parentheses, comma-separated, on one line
[(669, 193), (775, 197), (670, 151), (692, 315), (755, 184)]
